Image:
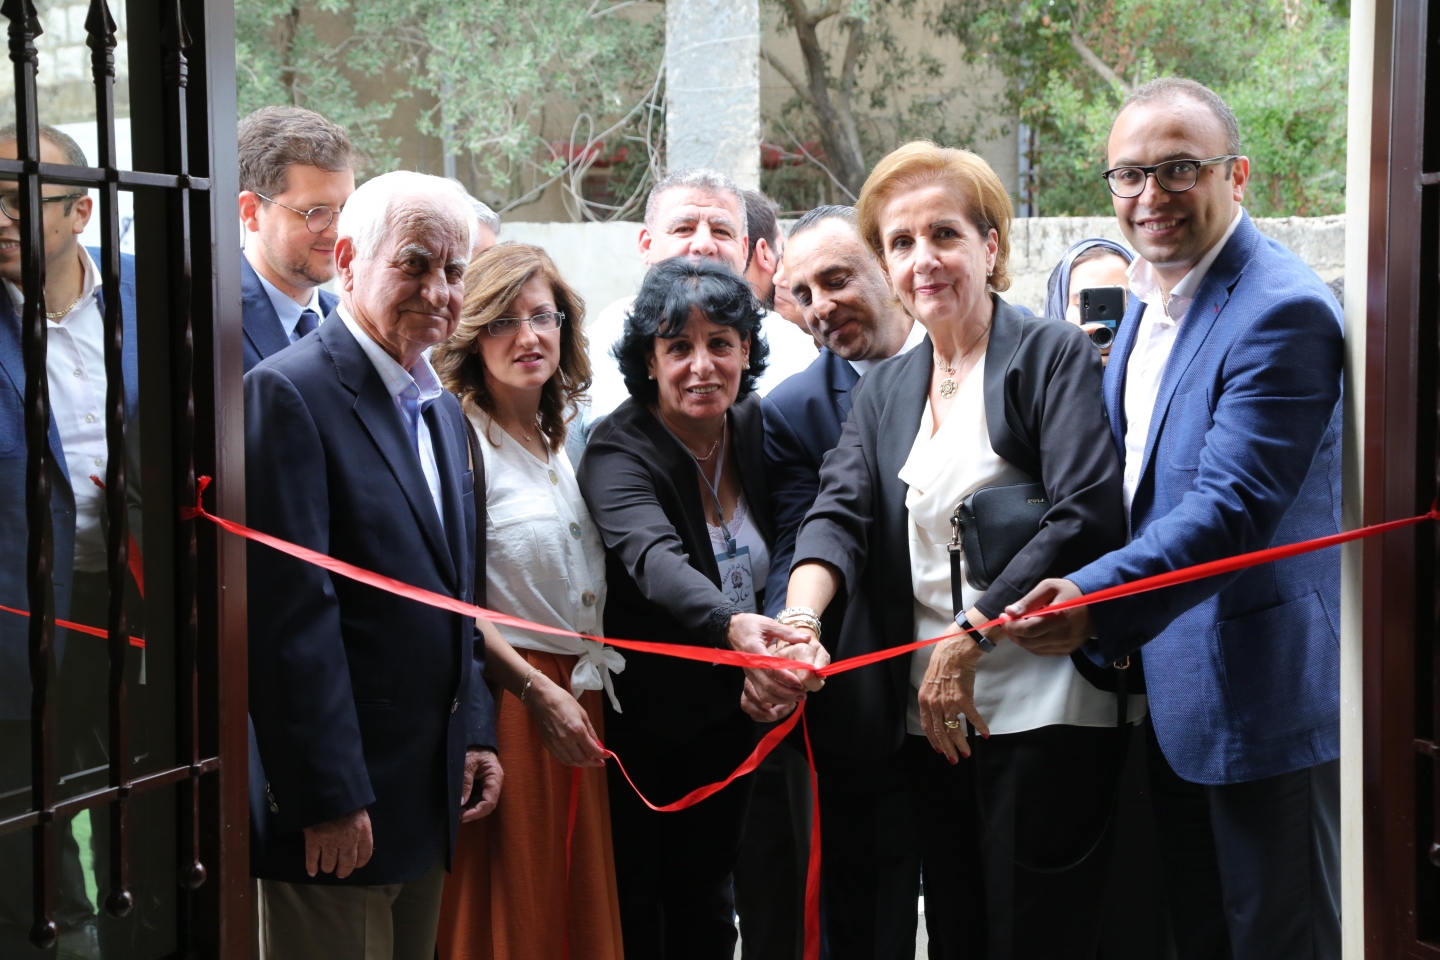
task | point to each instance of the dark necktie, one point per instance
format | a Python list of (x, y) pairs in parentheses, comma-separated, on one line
[(309, 320)]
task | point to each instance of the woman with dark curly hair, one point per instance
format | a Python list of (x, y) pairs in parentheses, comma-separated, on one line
[(675, 479), (518, 364)]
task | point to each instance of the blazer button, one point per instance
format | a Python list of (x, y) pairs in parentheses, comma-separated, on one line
[(575, 530), (454, 706), (274, 807), (554, 479), (588, 598)]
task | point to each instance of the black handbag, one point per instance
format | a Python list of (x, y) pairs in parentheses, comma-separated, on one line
[(990, 527)]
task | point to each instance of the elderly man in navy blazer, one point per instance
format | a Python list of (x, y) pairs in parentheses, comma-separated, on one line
[(377, 732), (296, 172), (847, 304), (1223, 392), (77, 447)]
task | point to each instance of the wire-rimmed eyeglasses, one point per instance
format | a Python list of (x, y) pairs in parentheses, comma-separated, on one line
[(1174, 176), (10, 202), (540, 323), (316, 218)]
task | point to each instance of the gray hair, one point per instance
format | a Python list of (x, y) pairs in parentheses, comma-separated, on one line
[(1170, 89), (818, 215), (483, 214), (378, 204), (694, 178), (273, 139), (74, 156)]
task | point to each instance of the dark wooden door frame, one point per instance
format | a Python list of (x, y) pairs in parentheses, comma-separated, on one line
[(1400, 730)]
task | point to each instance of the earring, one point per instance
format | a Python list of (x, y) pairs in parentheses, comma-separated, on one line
[(651, 376)]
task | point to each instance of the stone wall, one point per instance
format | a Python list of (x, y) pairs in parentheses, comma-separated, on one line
[(66, 90), (602, 261)]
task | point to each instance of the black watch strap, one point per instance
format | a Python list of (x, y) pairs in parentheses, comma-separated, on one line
[(963, 622)]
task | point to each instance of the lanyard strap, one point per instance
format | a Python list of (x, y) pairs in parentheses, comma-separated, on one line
[(713, 487)]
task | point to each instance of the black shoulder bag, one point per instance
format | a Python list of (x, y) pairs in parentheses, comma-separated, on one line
[(990, 527)]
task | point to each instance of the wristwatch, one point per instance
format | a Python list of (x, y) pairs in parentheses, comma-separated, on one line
[(963, 622)]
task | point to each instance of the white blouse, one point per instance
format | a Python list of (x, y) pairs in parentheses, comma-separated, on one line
[(1015, 690), (544, 560)]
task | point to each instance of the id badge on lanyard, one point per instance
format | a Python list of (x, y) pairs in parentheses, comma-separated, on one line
[(737, 579)]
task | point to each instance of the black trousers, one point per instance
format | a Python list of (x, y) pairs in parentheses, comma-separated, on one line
[(1252, 869), (774, 855), (672, 870), (870, 865), (1015, 842)]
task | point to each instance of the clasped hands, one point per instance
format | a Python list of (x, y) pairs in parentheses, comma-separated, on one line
[(771, 694), (346, 843)]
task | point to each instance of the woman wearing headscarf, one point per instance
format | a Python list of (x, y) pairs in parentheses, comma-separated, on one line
[(1092, 262)]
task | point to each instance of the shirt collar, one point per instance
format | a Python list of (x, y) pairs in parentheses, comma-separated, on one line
[(288, 310), (917, 333), (90, 284), (422, 377), (1145, 282)]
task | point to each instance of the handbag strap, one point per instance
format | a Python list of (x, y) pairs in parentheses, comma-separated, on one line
[(477, 467)]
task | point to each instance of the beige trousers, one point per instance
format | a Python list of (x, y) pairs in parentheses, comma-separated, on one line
[(397, 921)]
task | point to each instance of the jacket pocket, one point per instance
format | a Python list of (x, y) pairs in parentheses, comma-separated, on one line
[(1280, 668), (1186, 423)]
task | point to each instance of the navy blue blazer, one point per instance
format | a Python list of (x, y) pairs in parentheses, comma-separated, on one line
[(359, 698), (803, 417), (1243, 671), (264, 333), (14, 592)]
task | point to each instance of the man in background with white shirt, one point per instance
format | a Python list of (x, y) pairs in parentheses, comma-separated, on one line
[(74, 308), (297, 169), (1223, 393)]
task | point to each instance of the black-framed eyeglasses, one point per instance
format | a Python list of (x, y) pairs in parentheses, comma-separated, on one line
[(316, 218), (540, 323), (10, 202), (1174, 176)]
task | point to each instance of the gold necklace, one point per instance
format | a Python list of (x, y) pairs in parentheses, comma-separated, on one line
[(950, 386), (61, 314)]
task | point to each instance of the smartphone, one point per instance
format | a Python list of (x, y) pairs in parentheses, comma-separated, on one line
[(1103, 305)]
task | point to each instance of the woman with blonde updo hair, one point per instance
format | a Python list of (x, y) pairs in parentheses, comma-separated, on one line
[(518, 363), (1011, 759)]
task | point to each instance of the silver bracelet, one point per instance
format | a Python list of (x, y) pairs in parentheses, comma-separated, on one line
[(800, 617)]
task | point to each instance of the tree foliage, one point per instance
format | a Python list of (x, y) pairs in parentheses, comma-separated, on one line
[(1280, 64), (484, 74)]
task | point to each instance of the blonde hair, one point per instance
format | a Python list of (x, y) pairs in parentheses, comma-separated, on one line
[(921, 163), (492, 282)]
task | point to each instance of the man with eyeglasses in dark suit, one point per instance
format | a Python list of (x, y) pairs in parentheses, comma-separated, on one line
[(296, 172)]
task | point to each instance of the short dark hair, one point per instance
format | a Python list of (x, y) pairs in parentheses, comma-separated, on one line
[(272, 139), (760, 222), (74, 155), (818, 215), (670, 291), (1170, 89)]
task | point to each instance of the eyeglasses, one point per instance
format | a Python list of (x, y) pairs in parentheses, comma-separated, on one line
[(10, 202), (540, 323), (1174, 176), (317, 219)]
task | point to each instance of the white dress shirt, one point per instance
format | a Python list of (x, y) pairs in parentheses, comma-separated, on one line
[(917, 333), (1015, 690), (544, 560), (288, 310), (75, 365), (419, 385), (1154, 340)]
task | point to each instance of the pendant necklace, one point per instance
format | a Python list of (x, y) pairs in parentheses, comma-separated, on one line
[(950, 386), (61, 314)]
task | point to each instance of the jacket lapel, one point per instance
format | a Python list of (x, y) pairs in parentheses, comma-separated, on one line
[(381, 419), (1114, 381), (1209, 300), (261, 323), (12, 360), (842, 380)]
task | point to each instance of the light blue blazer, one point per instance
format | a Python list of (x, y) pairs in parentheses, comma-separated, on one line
[(1243, 453)]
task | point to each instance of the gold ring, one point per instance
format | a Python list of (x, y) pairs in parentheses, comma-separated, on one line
[(952, 724)]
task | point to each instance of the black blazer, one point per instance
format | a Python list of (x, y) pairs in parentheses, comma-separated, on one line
[(359, 698), (664, 584), (263, 333), (803, 417), (1045, 415)]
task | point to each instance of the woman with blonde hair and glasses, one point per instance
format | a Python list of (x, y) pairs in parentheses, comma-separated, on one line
[(518, 363)]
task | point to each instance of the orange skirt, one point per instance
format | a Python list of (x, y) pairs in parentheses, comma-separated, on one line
[(506, 896)]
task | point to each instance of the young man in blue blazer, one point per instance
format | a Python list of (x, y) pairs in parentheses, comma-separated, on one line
[(1223, 394), (296, 172)]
